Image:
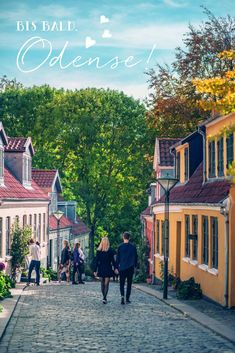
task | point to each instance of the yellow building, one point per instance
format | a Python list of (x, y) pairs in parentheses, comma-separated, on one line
[(202, 212)]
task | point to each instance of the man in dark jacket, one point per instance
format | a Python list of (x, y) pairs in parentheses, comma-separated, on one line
[(125, 263)]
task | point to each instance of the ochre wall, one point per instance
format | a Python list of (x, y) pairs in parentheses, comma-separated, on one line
[(212, 284)]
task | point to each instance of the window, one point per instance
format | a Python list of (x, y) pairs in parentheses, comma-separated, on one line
[(205, 242), (1, 164), (229, 148), (30, 220), (178, 165), (220, 156), (211, 159), (8, 235), (187, 232), (44, 227), (24, 220), (186, 164), (35, 225), (195, 232), (39, 226), (27, 169), (214, 233), (0, 237), (158, 237)]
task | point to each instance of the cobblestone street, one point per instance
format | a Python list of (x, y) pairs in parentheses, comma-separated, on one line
[(65, 318)]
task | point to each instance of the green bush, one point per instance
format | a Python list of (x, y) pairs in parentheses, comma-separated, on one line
[(6, 284), (50, 274), (189, 290)]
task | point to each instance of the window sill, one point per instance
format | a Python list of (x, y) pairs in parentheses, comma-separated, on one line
[(194, 262), (203, 267), (8, 258), (186, 259), (213, 271)]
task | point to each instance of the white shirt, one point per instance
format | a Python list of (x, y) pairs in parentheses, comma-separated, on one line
[(81, 254), (34, 252)]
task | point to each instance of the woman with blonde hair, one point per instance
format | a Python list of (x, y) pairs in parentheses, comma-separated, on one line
[(103, 266)]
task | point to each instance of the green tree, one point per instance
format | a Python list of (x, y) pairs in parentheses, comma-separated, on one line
[(19, 247)]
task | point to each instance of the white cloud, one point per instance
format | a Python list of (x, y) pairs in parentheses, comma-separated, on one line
[(173, 3)]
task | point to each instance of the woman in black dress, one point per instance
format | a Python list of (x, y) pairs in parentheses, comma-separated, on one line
[(103, 266)]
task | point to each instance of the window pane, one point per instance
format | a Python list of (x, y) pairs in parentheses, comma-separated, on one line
[(178, 165), (205, 239), (211, 159), (187, 232), (220, 156), (186, 164), (8, 235), (229, 146), (195, 232), (158, 237), (214, 230)]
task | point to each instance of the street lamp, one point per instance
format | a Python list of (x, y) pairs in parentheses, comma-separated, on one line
[(58, 215), (167, 183)]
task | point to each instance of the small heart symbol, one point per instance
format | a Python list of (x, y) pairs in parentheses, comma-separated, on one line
[(104, 19), (106, 34), (89, 42)]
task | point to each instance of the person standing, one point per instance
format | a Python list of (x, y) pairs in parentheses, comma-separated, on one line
[(125, 264), (76, 261), (65, 261), (80, 264), (35, 254), (103, 263)]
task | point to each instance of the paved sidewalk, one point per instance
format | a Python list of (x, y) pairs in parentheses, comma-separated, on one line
[(208, 314), (9, 305), (65, 318)]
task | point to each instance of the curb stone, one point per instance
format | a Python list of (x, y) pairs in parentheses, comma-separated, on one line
[(192, 313)]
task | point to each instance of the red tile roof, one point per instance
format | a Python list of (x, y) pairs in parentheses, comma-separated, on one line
[(16, 144), (196, 192), (65, 222), (44, 178), (13, 189), (146, 212), (166, 158), (80, 228)]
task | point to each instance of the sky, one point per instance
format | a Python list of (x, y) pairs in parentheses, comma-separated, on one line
[(95, 43)]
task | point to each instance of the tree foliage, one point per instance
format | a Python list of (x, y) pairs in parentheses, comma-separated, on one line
[(97, 139), (218, 92), (173, 102)]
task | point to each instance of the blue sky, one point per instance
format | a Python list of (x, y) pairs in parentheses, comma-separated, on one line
[(135, 27)]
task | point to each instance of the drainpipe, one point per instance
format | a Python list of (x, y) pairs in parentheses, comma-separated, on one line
[(152, 250), (202, 131), (224, 210)]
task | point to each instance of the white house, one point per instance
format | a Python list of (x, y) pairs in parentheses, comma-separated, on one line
[(21, 198)]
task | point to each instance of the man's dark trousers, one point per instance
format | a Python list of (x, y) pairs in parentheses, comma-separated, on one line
[(34, 264), (126, 275)]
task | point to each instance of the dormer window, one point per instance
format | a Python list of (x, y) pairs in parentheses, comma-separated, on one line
[(230, 149), (27, 169), (186, 164), (178, 165), (211, 159), (1, 165), (220, 156)]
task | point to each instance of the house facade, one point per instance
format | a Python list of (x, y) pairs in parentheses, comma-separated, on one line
[(202, 212), (71, 227), (163, 164), (21, 199)]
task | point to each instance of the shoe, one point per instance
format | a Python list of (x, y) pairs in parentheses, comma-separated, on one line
[(81, 282), (37, 284), (74, 282), (122, 301), (104, 301), (128, 301)]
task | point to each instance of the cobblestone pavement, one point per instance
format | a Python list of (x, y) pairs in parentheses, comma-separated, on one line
[(65, 318)]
